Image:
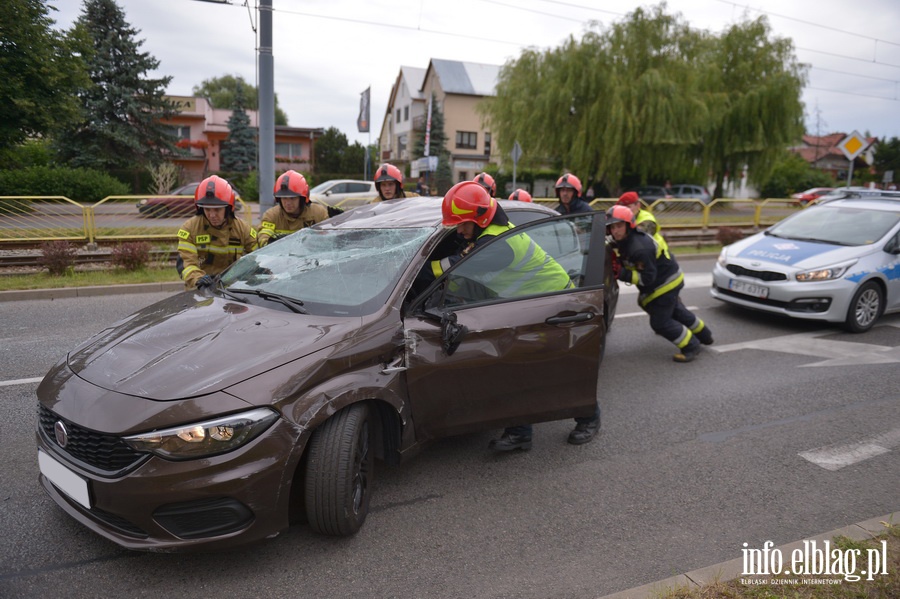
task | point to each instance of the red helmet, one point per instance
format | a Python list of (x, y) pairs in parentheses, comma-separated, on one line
[(486, 181), (388, 172), (520, 195), (568, 180), (620, 214), (291, 185), (628, 198), (468, 201), (214, 192)]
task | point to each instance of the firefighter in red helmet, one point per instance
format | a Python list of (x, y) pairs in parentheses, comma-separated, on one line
[(487, 181), (211, 241), (293, 209), (389, 183), (659, 280), (568, 190), (520, 195)]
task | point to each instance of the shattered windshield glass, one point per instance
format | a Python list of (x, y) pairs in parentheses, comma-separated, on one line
[(341, 272)]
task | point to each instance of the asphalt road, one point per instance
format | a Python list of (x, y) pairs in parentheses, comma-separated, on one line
[(693, 461)]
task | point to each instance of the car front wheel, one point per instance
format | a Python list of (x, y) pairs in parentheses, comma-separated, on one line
[(866, 307), (339, 472)]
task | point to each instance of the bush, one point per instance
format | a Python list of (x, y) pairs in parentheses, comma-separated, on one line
[(132, 255), (58, 257), (82, 185), (728, 235)]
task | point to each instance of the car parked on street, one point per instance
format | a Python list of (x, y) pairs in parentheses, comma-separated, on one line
[(651, 193), (688, 191), (215, 417), (344, 193), (811, 194), (178, 202), (837, 261)]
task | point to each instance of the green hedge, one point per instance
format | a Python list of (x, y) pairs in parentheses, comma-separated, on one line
[(85, 186)]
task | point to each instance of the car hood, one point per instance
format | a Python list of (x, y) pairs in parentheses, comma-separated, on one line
[(191, 345), (790, 252)]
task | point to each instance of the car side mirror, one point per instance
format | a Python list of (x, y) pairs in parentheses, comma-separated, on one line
[(328, 193), (452, 332)]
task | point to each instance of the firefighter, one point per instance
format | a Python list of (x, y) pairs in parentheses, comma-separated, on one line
[(389, 183), (293, 209), (659, 280), (568, 191), (520, 195), (487, 181), (644, 219), (211, 241)]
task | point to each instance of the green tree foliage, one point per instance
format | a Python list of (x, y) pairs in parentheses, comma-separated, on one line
[(354, 158), (652, 98), (441, 180), (887, 158), (220, 92), (38, 73), (239, 150), (792, 174), (121, 107), (330, 149)]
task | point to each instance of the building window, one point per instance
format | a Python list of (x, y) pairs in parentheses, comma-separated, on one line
[(406, 113), (467, 140), (398, 115), (294, 152), (179, 131), (487, 144), (463, 176)]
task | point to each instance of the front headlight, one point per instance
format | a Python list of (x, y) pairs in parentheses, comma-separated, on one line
[(824, 274), (723, 258), (202, 439)]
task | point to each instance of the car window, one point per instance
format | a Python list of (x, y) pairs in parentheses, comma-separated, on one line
[(357, 187), (840, 225), (337, 272), (339, 188)]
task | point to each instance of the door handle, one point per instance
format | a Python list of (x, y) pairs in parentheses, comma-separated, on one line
[(580, 317)]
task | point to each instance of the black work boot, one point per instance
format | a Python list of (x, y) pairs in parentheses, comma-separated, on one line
[(510, 442), (688, 352), (705, 336), (584, 432)]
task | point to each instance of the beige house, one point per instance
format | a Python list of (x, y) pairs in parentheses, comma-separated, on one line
[(457, 88)]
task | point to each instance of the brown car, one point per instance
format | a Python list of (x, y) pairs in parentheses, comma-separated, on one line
[(214, 418)]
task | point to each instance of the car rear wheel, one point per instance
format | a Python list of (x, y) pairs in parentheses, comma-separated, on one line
[(339, 472), (865, 309)]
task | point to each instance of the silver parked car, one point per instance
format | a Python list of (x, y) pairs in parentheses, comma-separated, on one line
[(837, 261)]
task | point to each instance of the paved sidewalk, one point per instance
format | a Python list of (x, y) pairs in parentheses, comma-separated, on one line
[(732, 569), (64, 292)]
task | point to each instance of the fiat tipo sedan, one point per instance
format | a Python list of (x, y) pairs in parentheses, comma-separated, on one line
[(218, 417)]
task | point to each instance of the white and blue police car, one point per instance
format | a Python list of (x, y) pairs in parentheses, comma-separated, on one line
[(837, 261)]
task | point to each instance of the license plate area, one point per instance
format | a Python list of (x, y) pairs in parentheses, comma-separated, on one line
[(64, 479), (748, 288)]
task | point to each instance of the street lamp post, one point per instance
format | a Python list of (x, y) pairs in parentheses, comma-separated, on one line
[(266, 154)]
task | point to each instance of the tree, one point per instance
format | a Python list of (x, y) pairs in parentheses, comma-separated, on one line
[(220, 92), (38, 74), (442, 179), (330, 150), (792, 174), (120, 108), (238, 152), (887, 157)]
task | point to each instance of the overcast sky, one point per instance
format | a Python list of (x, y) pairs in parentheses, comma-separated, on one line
[(328, 51)]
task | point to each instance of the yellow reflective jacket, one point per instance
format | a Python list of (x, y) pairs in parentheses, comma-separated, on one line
[(276, 221), (206, 250)]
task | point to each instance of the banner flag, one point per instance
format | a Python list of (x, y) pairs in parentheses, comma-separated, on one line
[(362, 123)]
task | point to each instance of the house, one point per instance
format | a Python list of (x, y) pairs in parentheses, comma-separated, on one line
[(200, 129), (457, 88), (822, 153)]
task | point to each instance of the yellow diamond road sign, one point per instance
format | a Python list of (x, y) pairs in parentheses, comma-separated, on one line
[(852, 145)]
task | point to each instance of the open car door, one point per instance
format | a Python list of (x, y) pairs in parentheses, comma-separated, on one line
[(482, 355)]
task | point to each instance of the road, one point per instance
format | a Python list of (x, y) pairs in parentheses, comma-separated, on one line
[(746, 444)]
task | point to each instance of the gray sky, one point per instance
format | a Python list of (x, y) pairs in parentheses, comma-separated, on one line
[(328, 51)]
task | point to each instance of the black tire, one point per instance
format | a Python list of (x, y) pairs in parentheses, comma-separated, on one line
[(339, 472), (865, 308)]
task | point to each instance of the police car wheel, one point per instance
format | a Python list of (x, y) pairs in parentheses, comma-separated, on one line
[(865, 308)]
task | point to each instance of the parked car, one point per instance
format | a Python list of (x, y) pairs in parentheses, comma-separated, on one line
[(178, 202), (837, 261), (651, 193), (211, 418), (811, 194), (344, 193), (688, 191), (840, 193)]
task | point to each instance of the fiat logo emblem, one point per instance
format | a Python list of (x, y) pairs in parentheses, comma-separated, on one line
[(62, 435)]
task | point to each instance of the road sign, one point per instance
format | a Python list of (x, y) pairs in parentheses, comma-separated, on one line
[(516, 152), (853, 145)]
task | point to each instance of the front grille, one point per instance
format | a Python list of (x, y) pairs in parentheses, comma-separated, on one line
[(103, 454), (121, 524), (204, 517), (762, 275)]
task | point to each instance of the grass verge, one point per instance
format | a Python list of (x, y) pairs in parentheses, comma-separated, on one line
[(87, 278)]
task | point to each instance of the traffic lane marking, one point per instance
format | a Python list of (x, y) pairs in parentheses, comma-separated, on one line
[(20, 381), (835, 457), (691, 281)]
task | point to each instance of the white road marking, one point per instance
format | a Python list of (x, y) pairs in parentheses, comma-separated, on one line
[(838, 353), (691, 281), (20, 382), (835, 457)]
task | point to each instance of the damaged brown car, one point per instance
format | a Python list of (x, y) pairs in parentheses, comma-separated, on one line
[(217, 418)]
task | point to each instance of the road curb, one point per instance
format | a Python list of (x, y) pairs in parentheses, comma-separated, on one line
[(67, 292), (725, 571)]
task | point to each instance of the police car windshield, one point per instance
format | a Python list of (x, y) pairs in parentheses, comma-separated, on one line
[(838, 225), (336, 272)]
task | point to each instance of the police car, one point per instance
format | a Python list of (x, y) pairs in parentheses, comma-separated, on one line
[(838, 261)]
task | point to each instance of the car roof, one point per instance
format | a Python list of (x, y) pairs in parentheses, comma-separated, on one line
[(870, 202), (411, 212)]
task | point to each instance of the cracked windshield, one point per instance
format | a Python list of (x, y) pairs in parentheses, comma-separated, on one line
[(339, 272)]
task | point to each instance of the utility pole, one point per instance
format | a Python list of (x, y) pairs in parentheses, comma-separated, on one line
[(266, 153)]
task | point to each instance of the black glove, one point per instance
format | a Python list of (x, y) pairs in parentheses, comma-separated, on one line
[(205, 281), (333, 211)]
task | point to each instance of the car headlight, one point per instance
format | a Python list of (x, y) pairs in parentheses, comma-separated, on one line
[(143, 202), (723, 258), (202, 439), (824, 274)]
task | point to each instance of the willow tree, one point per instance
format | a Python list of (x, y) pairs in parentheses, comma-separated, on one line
[(753, 94)]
